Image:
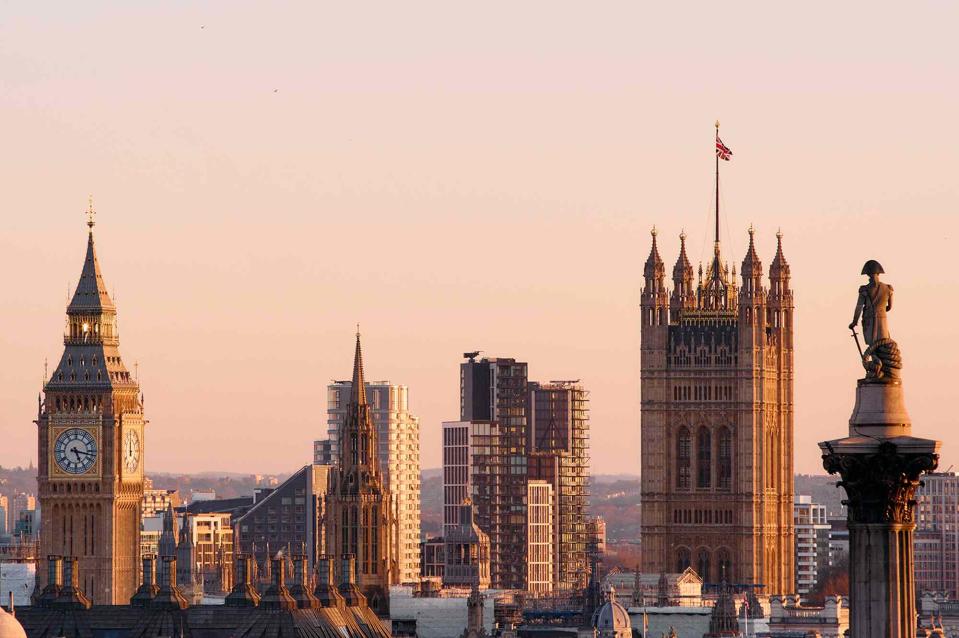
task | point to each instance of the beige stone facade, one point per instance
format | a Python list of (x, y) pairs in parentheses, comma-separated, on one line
[(91, 447), (717, 421)]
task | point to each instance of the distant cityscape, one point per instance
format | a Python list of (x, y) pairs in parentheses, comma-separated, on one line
[(516, 535), (512, 531)]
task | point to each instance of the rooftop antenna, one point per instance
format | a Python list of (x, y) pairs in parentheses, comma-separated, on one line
[(472, 355)]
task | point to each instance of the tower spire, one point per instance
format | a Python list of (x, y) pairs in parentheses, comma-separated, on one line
[(90, 214), (91, 292), (358, 391)]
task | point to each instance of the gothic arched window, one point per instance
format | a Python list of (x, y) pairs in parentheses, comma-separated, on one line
[(683, 559), (684, 453), (704, 453), (725, 565), (725, 478), (702, 564)]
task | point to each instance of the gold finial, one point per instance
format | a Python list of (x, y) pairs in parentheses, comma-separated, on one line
[(653, 232), (751, 230), (717, 125), (357, 329), (682, 235), (90, 214), (779, 233)]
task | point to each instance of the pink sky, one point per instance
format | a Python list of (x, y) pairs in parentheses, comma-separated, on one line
[(461, 177)]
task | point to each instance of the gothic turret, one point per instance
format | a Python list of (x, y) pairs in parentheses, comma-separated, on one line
[(684, 295), (168, 537), (780, 295), (752, 302), (654, 298), (752, 271), (779, 271), (723, 622)]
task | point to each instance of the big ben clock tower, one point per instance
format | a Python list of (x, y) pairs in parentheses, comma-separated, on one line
[(90, 442)]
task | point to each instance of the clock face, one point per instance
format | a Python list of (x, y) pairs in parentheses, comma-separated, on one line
[(131, 451), (75, 451)]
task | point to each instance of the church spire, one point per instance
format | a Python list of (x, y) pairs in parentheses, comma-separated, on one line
[(358, 390)]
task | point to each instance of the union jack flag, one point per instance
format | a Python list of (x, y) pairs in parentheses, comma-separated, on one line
[(722, 151)]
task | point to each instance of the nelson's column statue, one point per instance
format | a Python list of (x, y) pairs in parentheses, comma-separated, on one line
[(880, 463)]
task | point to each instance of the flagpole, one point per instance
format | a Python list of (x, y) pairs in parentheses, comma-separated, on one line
[(717, 184)]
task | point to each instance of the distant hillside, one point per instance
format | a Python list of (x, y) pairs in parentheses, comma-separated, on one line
[(16, 480), (229, 486)]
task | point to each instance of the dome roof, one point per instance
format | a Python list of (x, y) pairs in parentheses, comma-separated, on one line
[(611, 616), (10, 627)]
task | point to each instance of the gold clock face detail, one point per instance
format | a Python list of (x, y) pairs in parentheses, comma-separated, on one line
[(131, 451), (75, 451)]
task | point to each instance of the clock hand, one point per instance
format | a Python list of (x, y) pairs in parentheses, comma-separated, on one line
[(82, 452)]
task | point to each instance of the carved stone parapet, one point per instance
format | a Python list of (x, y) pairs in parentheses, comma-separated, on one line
[(880, 485)]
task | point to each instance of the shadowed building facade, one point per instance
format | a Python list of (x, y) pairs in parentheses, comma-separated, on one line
[(717, 420), (90, 448)]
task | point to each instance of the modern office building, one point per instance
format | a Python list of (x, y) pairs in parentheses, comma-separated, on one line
[(156, 501), (812, 542), (717, 420), (937, 534), (540, 531), (433, 557), (211, 536), (91, 446), (559, 454), (398, 436), (21, 502), (513, 433), (290, 517), (494, 393)]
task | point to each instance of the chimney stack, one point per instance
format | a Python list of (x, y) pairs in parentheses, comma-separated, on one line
[(301, 587), (70, 594), (148, 589), (168, 595), (244, 594), (277, 596), (348, 588), (326, 592), (51, 592)]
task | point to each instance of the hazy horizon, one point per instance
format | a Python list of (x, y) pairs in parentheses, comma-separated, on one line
[(459, 178)]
